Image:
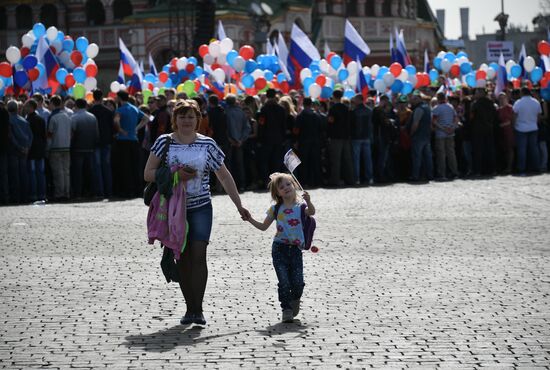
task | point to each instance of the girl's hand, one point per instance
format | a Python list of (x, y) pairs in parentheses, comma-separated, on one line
[(306, 197)]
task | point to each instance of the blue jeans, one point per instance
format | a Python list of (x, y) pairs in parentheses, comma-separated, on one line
[(289, 267), (37, 178), (102, 168), (527, 146), (200, 223), (421, 152), (361, 151)]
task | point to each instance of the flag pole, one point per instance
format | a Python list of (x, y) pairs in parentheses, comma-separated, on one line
[(298, 182)]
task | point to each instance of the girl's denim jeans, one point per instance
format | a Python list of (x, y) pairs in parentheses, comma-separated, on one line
[(288, 264)]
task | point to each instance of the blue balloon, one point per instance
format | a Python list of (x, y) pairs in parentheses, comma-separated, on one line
[(67, 44), (248, 81), (268, 75), (60, 36), (411, 69), (515, 71), (536, 75), (250, 66), (20, 78), (149, 77), (41, 69), (450, 56), (407, 88), (437, 62), (343, 74), (166, 68), (231, 57), (494, 66), (168, 83), (79, 75), (192, 60), (274, 66), (281, 77), (82, 44), (471, 79), (382, 71), (326, 92), (39, 30), (434, 75), (61, 74), (29, 62), (465, 68), (545, 93), (461, 54), (397, 86), (336, 61), (307, 82), (198, 71), (348, 93)]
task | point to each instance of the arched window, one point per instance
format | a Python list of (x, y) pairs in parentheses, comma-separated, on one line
[(122, 8), (48, 15), (386, 9), (95, 13), (369, 8), (3, 18), (23, 17)]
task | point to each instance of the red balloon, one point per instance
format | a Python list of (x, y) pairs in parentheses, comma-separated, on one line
[(151, 86), (5, 69), (173, 62), (24, 51), (543, 47), (396, 69), (247, 52), (173, 69), (321, 80), (516, 83), (215, 66), (481, 75), (197, 85), (203, 50), (260, 83), (33, 74), (91, 70), (544, 82), (76, 57), (547, 75), (190, 68), (455, 70), (69, 80), (163, 77), (330, 55)]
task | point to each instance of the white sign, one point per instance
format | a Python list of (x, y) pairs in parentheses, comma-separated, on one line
[(494, 48)]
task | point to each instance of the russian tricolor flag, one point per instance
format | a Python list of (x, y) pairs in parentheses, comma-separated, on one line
[(354, 46), (45, 56), (501, 76), (130, 68), (362, 85), (401, 50), (302, 52)]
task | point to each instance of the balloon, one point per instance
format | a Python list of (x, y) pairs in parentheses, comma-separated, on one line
[(247, 81), (481, 75), (321, 80), (268, 75), (491, 73), (189, 68), (92, 50), (231, 55), (446, 65), (515, 71), (181, 63), (219, 75), (536, 74), (163, 76), (342, 74), (404, 75), (471, 79), (69, 80), (90, 83), (20, 78), (82, 44), (450, 57), (76, 57), (207, 59), (226, 45), (397, 86), (349, 93), (395, 69), (529, 64), (382, 71), (324, 66), (543, 47), (189, 87), (250, 66), (434, 75), (79, 75), (68, 44), (41, 69), (115, 86), (38, 29), (29, 62), (380, 85), (33, 74), (79, 91), (239, 63), (455, 70), (335, 61), (411, 70), (51, 33), (91, 70), (407, 88), (260, 83), (307, 82), (413, 80), (247, 52), (352, 67), (214, 49), (437, 62), (304, 73), (509, 65), (203, 50), (374, 70), (314, 90), (60, 75), (481, 83), (465, 68), (13, 54)]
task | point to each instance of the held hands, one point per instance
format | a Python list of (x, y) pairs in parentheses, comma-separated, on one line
[(245, 214)]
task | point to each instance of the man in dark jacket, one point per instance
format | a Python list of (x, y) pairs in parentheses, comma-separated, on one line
[(37, 152), (83, 144), (361, 138), (18, 149), (272, 120), (308, 129), (4, 143), (339, 141), (484, 119), (421, 130)]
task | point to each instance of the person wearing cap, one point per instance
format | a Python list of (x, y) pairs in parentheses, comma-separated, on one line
[(421, 150), (527, 113), (18, 149)]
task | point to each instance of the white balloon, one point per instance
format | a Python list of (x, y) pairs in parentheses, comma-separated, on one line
[(404, 75), (509, 65), (352, 67), (388, 78), (13, 54), (491, 73), (123, 87), (239, 63), (64, 57), (90, 83), (481, 83), (27, 40), (219, 75), (51, 33), (366, 70), (257, 73), (529, 64), (222, 59), (92, 50), (413, 80), (324, 66), (207, 59), (156, 91), (305, 73), (374, 70), (226, 45), (483, 67), (115, 86), (314, 90), (181, 63), (441, 54), (462, 60), (380, 85), (214, 48), (446, 65)]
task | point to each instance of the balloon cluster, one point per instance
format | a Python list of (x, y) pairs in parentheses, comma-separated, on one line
[(76, 68)]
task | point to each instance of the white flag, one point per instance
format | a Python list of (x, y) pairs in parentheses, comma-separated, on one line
[(291, 160)]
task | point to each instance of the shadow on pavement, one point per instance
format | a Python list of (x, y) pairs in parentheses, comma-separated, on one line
[(284, 328), (167, 339)]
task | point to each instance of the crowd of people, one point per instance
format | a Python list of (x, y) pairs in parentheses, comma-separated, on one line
[(60, 149)]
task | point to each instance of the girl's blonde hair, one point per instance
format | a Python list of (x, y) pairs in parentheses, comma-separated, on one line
[(275, 180)]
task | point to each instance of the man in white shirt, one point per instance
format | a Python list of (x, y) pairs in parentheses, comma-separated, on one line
[(527, 112)]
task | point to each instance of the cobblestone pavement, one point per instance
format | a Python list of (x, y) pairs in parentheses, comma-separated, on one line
[(451, 275)]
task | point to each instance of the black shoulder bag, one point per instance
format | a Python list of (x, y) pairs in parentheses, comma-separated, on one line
[(152, 187)]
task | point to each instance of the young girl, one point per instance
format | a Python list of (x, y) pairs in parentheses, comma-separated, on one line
[(288, 241)]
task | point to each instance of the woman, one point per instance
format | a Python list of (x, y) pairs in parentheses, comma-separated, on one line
[(506, 132), (191, 149)]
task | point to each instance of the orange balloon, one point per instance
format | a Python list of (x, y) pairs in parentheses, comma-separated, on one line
[(396, 69)]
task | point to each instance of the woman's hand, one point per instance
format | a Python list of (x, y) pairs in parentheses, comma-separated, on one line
[(245, 214)]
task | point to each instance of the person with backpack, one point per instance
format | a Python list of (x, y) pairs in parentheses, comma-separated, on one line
[(295, 228)]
